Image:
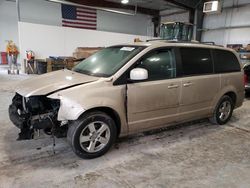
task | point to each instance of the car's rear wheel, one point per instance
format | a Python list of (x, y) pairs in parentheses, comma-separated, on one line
[(223, 111), (92, 135)]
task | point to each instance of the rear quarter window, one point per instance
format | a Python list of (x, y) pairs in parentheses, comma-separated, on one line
[(225, 61)]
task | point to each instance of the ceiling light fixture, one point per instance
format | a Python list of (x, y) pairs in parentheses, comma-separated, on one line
[(124, 1)]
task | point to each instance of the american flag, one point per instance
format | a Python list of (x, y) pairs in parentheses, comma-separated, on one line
[(78, 17)]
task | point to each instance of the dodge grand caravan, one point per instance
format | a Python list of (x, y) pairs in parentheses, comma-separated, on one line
[(129, 88)]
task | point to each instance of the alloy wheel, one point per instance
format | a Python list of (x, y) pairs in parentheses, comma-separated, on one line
[(225, 110), (94, 137)]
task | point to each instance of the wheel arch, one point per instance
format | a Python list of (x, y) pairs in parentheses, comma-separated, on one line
[(229, 91), (109, 111), (232, 95)]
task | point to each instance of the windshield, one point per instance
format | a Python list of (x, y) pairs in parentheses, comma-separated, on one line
[(107, 61)]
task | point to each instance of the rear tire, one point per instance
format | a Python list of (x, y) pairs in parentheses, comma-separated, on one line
[(92, 135), (223, 111)]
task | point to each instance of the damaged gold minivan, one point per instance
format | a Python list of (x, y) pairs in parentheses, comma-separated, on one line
[(126, 89)]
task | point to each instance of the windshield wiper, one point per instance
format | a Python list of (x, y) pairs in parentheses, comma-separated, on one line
[(82, 71), (99, 75), (90, 73)]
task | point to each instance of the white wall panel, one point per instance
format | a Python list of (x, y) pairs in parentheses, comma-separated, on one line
[(48, 13), (138, 24), (48, 41), (8, 23), (40, 11)]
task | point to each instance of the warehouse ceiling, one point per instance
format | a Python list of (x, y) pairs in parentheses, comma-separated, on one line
[(162, 4), (150, 7), (150, 4)]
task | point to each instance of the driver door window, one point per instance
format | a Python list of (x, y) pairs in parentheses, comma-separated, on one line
[(160, 65)]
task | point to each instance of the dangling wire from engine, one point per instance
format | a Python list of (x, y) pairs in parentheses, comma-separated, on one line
[(53, 134)]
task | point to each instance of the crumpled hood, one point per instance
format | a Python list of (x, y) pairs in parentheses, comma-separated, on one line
[(51, 82)]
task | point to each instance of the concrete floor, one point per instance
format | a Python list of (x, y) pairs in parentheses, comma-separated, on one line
[(194, 155)]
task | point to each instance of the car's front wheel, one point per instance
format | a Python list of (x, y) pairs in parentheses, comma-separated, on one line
[(92, 134)]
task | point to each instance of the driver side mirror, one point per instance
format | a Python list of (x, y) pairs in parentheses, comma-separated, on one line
[(138, 74)]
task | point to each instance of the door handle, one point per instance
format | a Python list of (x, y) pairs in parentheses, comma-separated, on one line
[(172, 86), (187, 84)]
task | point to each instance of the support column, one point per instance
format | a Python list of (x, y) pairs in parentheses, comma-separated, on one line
[(157, 22), (199, 22)]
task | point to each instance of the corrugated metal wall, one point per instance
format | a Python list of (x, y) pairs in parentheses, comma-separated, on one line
[(232, 26)]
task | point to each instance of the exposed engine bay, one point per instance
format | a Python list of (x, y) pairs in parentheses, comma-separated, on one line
[(36, 113)]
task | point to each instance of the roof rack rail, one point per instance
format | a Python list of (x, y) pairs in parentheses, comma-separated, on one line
[(183, 41), (211, 43), (208, 42), (168, 40), (148, 40)]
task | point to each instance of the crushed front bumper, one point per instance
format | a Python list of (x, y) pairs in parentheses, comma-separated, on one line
[(15, 118), (35, 113)]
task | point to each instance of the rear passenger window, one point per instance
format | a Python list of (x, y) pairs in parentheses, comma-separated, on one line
[(225, 61), (196, 61)]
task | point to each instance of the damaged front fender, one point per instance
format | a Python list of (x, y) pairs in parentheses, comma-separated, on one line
[(69, 109)]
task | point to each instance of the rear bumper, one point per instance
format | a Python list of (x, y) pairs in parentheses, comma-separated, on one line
[(247, 87)]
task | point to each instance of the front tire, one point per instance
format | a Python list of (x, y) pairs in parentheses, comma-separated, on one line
[(92, 134), (223, 111)]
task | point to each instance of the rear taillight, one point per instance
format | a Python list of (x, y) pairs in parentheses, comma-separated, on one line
[(245, 79)]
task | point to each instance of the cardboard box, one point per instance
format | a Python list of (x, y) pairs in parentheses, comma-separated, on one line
[(49, 64), (88, 49), (60, 63), (248, 47), (245, 56), (69, 63), (236, 47), (83, 52)]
